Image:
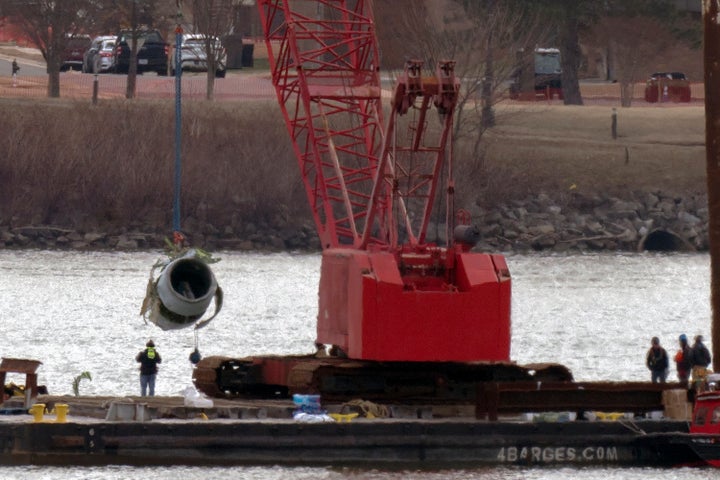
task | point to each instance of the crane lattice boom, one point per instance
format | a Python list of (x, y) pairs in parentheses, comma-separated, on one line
[(386, 292)]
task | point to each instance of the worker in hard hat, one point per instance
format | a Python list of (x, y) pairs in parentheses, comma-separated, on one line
[(148, 360)]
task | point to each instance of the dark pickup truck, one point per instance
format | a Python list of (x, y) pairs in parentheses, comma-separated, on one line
[(152, 52)]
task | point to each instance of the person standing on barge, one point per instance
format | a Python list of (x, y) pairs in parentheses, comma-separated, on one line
[(683, 360), (148, 360), (657, 361), (699, 361)]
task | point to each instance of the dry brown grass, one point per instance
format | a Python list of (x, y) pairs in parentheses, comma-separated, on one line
[(554, 149), (71, 164), (68, 163)]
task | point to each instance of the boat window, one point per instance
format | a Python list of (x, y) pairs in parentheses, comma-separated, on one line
[(700, 416), (716, 415)]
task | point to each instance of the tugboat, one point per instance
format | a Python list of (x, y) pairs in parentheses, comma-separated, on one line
[(704, 436)]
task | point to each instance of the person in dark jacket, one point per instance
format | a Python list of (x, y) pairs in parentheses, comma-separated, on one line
[(15, 70), (699, 361), (657, 361), (700, 354), (683, 359), (148, 359)]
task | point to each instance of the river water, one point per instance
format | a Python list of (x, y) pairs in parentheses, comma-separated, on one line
[(79, 312)]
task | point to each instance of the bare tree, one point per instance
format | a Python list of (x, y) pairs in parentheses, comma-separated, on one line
[(483, 37), (633, 45), (136, 14), (214, 19), (50, 25), (571, 19), (635, 34)]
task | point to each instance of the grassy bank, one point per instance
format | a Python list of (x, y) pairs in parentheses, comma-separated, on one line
[(110, 167), (557, 149)]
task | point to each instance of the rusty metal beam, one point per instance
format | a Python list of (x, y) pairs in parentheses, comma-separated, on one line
[(494, 398)]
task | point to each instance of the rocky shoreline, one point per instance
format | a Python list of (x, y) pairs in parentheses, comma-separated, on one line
[(571, 222), (639, 221)]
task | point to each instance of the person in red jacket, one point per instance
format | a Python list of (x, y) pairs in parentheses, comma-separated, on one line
[(148, 359), (682, 360)]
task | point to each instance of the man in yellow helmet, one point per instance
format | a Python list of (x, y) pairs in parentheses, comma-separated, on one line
[(148, 359)]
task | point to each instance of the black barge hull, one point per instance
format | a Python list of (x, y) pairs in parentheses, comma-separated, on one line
[(371, 443)]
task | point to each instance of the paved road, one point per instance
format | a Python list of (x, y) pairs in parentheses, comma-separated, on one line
[(32, 81), (28, 68), (238, 84)]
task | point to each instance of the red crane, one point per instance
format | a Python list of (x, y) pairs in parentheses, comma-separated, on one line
[(386, 293), (406, 318)]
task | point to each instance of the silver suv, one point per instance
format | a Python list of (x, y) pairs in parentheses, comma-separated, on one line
[(193, 54), (99, 57)]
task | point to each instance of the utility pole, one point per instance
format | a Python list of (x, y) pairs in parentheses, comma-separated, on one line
[(130, 87), (178, 119), (711, 55)]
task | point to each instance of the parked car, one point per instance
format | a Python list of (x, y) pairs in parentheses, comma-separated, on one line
[(193, 54), (667, 87), (99, 57), (75, 47), (152, 52)]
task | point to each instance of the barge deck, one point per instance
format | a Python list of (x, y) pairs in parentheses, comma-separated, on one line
[(163, 431)]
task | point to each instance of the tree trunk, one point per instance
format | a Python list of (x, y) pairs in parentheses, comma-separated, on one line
[(131, 77), (711, 42), (210, 87), (626, 93), (55, 49), (53, 68), (211, 55), (570, 57)]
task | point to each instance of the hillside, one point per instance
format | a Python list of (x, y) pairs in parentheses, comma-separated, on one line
[(241, 187)]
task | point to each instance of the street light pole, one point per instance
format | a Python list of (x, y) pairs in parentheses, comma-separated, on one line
[(178, 117)]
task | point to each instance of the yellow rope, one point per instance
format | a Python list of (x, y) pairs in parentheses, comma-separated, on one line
[(368, 408)]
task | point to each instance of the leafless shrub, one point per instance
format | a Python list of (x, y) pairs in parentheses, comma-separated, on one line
[(486, 180), (82, 166)]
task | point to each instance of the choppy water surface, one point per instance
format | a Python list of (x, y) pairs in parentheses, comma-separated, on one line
[(79, 312), (328, 473)]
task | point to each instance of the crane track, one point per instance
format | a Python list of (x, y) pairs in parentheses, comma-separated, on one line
[(341, 379)]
